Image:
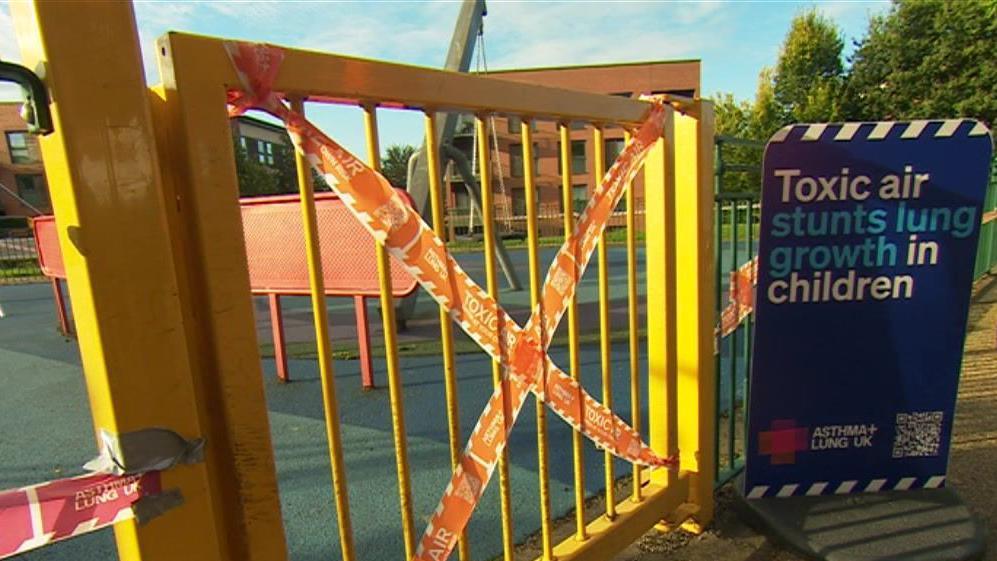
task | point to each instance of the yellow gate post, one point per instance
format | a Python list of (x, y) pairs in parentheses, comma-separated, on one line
[(139, 313), (680, 306), (695, 299)]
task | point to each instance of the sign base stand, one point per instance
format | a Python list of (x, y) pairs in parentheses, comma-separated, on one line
[(916, 525)]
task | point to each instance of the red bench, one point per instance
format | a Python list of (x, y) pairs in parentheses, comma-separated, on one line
[(275, 249)]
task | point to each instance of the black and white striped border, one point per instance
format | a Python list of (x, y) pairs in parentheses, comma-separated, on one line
[(844, 132), (845, 487)]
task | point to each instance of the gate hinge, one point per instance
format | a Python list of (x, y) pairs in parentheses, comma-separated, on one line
[(35, 110)]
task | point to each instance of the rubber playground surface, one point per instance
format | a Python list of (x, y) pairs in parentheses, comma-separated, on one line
[(47, 432)]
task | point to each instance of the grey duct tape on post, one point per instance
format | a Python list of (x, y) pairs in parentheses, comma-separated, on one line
[(142, 451)]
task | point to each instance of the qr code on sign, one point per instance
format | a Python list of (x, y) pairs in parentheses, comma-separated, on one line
[(918, 434)]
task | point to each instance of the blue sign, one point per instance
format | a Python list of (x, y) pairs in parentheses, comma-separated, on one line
[(866, 251)]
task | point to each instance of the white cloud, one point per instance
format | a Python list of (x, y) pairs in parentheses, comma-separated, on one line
[(566, 33), (8, 43), (9, 51)]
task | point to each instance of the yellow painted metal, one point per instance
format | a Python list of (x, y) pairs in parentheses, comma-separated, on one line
[(488, 225), (446, 325), (530, 192), (316, 282), (395, 393), (660, 247), (204, 211), (106, 185), (695, 298), (605, 343), (574, 368), (349, 79), (609, 537), (632, 324), (205, 74)]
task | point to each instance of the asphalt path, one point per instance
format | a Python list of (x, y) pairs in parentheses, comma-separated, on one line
[(46, 432)]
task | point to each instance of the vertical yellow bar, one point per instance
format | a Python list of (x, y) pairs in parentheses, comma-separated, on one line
[(391, 354), (632, 324), (605, 342), (320, 315), (695, 297), (203, 210), (446, 327), (573, 357), (662, 340), (534, 263), (106, 185), (488, 224)]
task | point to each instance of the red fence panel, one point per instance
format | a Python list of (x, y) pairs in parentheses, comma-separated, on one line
[(275, 248)]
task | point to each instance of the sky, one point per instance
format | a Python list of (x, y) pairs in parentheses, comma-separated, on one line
[(734, 40)]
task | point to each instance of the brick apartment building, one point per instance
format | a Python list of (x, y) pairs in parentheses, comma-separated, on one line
[(259, 138), (627, 80), (23, 190), (21, 170)]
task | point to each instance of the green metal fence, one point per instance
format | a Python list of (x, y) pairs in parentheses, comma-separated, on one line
[(738, 165), (986, 255)]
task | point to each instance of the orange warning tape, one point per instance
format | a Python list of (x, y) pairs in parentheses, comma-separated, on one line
[(521, 351), (741, 297)]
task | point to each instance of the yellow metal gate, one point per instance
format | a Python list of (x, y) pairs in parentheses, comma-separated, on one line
[(145, 193)]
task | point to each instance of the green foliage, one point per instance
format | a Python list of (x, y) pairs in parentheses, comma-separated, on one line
[(733, 118), (736, 119), (285, 169), (766, 114), (394, 164), (255, 179), (927, 59), (922, 59), (808, 75)]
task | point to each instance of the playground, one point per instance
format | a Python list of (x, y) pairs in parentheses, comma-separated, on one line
[(576, 323), (42, 362), (45, 367)]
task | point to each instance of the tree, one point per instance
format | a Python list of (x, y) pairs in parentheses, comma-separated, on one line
[(766, 114), (927, 59), (285, 169), (808, 75), (732, 117), (394, 164), (255, 179), (736, 119)]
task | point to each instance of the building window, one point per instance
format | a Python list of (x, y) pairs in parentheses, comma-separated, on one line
[(578, 164), (519, 201), (516, 125), (32, 189), (681, 93), (613, 148), (578, 125), (579, 197), (259, 150), (264, 152), (516, 160), (23, 148), (461, 200)]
